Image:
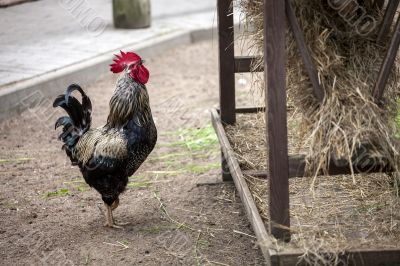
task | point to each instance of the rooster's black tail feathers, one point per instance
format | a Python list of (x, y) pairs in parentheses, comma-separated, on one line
[(79, 117)]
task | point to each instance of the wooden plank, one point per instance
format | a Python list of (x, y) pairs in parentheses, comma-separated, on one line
[(246, 110), (297, 168), (243, 64), (367, 257), (226, 61), (390, 12), (256, 173), (250, 110), (226, 174), (264, 240), (274, 56), (304, 52), (387, 64)]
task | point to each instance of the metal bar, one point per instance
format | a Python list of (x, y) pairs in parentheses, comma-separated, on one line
[(274, 63), (390, 12), (226, 61), (305, 53), (387, 64)]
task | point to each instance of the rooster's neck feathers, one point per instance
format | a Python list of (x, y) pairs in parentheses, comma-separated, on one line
[(129, 102)]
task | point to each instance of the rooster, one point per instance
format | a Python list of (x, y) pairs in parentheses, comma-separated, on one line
[(108, 155)]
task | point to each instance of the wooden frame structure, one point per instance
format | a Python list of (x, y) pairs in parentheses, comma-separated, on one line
[(283, 166)]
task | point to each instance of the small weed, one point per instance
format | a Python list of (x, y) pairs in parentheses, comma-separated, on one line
[(371, 208), (203, 243), (199, 169), (138, 181), (143, 181), (143, 184), (10, 206), (78, 185), (16, 160), (169, 156), (82, 188), (157, 229), (166, 172), (193, 144), (62, 192), (196, 139), (125, 242), (163, 209), (137, 177), (87, 259)]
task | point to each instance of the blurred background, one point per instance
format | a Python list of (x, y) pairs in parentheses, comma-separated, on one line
[(41, 36)]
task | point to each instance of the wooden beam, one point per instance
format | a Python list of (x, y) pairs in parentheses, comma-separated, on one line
[(304, 52), (249, 110), (243, 64), (226, 61), (387, 64), (390, 12), (274, 57), (297, 168), (364, 257), (253, 215)]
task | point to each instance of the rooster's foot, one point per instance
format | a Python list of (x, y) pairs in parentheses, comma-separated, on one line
[(116, 226), (110, 219), (122, 223)]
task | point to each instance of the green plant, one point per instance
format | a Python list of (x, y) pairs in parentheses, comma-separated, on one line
[(196, 139), (62, 192), (16, 160)]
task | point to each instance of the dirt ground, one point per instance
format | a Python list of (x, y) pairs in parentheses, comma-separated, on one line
[(180, 212)]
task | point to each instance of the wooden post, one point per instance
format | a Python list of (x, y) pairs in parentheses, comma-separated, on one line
[(387, 64), (226, 70), (390, 12), (132, 14), (226, 61), (274, 54)]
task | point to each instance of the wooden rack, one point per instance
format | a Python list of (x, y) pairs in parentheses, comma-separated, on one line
[(283, 166)]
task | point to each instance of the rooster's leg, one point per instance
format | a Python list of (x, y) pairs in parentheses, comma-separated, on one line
[(114, 205), (109, 218)]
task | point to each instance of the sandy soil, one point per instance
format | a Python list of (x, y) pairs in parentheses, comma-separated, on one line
[(49, 216)]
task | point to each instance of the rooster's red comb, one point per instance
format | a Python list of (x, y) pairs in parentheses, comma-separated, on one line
[(123, 60)]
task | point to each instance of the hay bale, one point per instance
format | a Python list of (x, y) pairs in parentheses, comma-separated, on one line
[(348, 58), (333, 217)]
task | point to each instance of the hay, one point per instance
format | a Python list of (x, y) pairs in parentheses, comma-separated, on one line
[(333, 217), (329, 214), (347, 59)]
